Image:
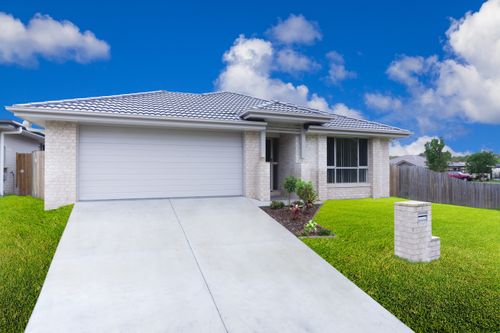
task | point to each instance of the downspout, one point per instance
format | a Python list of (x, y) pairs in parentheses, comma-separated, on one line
[(2, 153)]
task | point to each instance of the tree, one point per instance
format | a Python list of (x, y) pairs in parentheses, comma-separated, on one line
[(437, 159), (290, 186), (480, 163)]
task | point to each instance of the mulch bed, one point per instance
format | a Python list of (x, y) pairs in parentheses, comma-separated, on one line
[(295, 226)]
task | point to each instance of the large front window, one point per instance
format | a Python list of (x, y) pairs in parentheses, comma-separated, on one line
[(347, 160)]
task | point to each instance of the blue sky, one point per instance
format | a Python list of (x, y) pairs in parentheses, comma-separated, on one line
[(400, 62)]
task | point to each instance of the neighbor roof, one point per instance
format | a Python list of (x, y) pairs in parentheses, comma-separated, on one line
[(225, 106), (410, 159)]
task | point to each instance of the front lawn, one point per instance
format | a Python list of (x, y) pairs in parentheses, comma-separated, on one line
[(28, 239), (459, 292)]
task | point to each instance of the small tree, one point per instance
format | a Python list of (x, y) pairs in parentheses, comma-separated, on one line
[(437, 159), (290, 187), (480, 163), (306, 192)]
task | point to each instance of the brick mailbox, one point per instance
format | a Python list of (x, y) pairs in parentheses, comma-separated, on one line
[(413, 238)]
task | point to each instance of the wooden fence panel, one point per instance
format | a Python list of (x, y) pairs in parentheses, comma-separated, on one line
[(419, 183), (24, 173), (38, 174)]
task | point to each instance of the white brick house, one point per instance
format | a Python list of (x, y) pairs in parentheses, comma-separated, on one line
[(161, 144)]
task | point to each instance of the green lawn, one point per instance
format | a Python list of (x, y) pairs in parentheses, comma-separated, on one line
[(28, 239), (458, 292)]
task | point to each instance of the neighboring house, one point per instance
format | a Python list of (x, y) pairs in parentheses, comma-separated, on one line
[(162, 144), (495, 172), (15, 138), (409, 160), (456, 166)]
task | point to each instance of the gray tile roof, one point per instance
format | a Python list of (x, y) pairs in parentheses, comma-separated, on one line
[(281, 107), (339, 121), (226, 106)]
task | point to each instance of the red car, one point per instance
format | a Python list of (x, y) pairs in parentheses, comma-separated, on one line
[(460, 175)]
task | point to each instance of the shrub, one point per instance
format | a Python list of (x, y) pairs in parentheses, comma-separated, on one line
[(290, 186), (306, 192), (324, 232), (311, 227), (276, 204), (295, 210)]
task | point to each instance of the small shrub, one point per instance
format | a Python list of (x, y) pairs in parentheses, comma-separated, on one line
[(299, 203), (295, 210), (306, 192), (290, 186), (276, 204), (311, 227), (324, 232)]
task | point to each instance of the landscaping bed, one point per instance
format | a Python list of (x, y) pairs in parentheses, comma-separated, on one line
[(28, 239), (296, 225)]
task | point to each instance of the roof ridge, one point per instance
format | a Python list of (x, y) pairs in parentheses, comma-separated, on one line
[(93, 98)]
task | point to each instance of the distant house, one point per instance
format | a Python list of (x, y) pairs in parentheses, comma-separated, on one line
[(496, 171), (15, 138), (456, 166), (409, 160)]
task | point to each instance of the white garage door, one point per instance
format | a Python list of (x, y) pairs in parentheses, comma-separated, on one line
[(127, 162)]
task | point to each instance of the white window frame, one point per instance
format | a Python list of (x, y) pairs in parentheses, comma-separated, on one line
[(334, 167)]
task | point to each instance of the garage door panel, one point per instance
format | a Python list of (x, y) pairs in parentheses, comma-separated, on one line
[(157, 137), (120, 163)]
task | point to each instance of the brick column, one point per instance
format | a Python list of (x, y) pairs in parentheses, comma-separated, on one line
[(321, 168), (413, 238), (257, 173), (379, 167), (61, 141)]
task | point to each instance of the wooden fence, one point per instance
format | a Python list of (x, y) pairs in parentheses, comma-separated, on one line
[(30, 171), (24, 172), (419, 183)]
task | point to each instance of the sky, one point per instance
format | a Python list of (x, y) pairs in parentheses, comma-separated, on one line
[(432, 67)]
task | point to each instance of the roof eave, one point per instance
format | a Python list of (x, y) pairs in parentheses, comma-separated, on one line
[(40, 116), (358, 132)]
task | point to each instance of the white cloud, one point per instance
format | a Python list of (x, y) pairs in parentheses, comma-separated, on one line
[(296, 29), (291, 61), (464, 85), (337, 71), (45, 37), (417, 147), (248, 71), (382, 102), (406, 69)]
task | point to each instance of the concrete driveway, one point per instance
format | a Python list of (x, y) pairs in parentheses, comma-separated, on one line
[(194, 265)]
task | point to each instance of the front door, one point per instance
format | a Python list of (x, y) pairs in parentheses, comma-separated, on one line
[(272, 151)]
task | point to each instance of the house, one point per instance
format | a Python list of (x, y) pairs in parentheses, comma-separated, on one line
[(456, 166), (495, 172), (15, 138), (409, 160), (164, 144)]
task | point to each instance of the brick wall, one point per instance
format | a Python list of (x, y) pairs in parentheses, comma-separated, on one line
[(257, 175), (348, 191), (61, 141)]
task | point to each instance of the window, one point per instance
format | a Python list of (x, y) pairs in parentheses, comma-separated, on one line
[(347, 160)]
